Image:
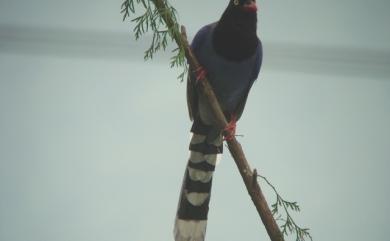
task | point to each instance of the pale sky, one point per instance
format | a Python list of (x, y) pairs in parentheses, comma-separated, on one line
[(94, 141)]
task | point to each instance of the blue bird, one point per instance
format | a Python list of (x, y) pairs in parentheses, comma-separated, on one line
[(230, 54)]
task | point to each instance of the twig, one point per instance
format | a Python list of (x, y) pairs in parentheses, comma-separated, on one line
[(289, 223)]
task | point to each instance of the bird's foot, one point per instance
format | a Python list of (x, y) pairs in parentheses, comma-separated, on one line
[(230, 128), (200, 73)]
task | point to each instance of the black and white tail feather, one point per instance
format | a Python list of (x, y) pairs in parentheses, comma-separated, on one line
[(191, 218)]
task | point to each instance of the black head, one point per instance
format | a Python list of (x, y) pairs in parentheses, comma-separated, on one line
[(242, 12), (235, 35)]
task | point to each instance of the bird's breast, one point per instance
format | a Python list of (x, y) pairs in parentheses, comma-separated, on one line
[(230, 80)]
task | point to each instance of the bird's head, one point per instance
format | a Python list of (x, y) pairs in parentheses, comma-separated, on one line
[(235, 36), (245, 5)]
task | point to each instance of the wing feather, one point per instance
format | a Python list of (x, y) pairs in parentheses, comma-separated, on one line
[(255, 74), (192, 94)]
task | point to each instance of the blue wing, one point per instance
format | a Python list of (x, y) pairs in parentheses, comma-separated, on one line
[(255, 74), (192, 95), (200, 37), (258, 62)]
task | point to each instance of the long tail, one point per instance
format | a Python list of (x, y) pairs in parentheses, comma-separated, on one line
[(191, 218)]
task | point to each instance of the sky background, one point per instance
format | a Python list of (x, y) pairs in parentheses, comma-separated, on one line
[(94, 141)]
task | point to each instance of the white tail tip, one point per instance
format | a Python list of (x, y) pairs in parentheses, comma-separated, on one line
[(190, 230)]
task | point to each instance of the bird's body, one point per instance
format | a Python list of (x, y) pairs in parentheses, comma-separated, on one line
[(231, 80), (231, 54)]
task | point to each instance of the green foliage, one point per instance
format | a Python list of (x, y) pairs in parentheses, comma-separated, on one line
[(288, 225), (152, 19)]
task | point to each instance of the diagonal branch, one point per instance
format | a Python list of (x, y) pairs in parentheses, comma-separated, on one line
[(235, 148)]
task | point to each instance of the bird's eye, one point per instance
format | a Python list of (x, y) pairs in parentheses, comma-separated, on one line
[(236, 2)]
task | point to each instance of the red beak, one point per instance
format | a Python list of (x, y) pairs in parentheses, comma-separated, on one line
[(250, 6)]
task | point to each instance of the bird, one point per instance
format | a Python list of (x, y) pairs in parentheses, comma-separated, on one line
[(230, 55)]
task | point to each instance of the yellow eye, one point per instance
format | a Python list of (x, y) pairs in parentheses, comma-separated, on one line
[(236, 2)]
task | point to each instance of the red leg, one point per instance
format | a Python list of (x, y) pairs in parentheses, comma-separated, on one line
[(200, 73), (230, 128)]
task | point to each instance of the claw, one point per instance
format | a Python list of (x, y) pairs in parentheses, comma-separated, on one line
[(200, 74), (230, 128)]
